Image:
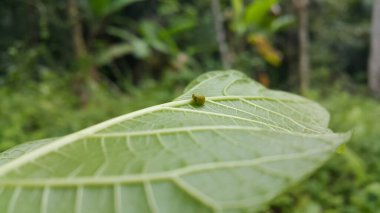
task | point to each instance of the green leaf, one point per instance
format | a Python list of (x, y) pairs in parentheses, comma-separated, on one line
[(258, 10), (237, 23), (103, 8), (282, 22), (98, 7), (19, 150), (113, 52), (117, 5), (237, 151), (134, 45), (237, 6), (150, 31)]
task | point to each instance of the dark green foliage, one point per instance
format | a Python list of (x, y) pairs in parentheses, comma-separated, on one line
[(340, 38), (51, 108), (140, 53), (350, 181)]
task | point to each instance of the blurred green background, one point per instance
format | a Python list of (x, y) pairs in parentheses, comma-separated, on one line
[(65, 65)]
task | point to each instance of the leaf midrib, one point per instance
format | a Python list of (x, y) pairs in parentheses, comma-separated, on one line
[(9, 166), (168, 175)]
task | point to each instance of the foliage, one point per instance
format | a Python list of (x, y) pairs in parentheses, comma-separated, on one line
[(256, 25), (350, 181), (340, 38), (161, 158), (37, 105), (143, 52), (122, 43), (128, 39)]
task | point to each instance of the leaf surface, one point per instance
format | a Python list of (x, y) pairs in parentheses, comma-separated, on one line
[(235, 153)]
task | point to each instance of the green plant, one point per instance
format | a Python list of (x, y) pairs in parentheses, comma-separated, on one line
[(104, 8), (349, 181), (257, 28), (237, 151)]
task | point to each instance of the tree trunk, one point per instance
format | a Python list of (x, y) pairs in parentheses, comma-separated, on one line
[(79, 44), (77, 31), (303, 44), (220, 34), (87, 71), (374, 59)]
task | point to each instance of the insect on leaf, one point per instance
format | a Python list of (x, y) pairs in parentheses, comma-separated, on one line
[(198, 100), (238, 151)]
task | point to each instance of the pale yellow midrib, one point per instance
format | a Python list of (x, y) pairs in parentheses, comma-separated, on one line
[(30, 156), (125, 179)]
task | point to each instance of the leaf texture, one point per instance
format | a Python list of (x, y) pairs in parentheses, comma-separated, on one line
[(235, 153)]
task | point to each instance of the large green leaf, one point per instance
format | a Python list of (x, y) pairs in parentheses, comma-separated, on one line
[(103, 8), (243, 147), (258, 11)]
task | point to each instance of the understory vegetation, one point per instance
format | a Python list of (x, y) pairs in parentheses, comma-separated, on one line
[(349, 182), (61, 72)]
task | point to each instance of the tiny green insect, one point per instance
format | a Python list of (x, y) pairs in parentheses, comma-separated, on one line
[(199, 99)]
